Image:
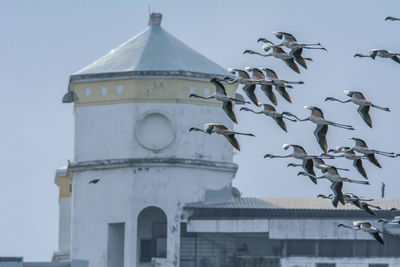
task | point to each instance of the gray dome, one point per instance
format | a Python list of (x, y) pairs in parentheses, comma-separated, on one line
[(154, 52)]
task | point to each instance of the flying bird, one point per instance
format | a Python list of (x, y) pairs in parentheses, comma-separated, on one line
[(94, 181), (360, 203), (290, 42), (391, 18), (220, 95), (366, 227), (280, 85), (279, 53), (299, 153), (364, 104), (373, 53), (317, 117), (362, 147), (319, 164), (270, 111), (332, 174), (210, 128), (348, 153)]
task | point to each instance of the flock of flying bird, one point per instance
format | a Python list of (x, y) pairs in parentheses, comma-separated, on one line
[(268, 80)]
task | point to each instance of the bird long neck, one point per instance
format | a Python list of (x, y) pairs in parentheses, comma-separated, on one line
[(379, 107), (338, 100), (202, 97)]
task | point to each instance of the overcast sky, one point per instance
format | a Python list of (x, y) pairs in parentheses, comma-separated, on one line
[(43, 42)]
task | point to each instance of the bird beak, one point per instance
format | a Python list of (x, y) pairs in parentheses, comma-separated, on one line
[(285, 146)]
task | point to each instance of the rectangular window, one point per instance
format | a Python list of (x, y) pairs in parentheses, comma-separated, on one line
[(120, 89), (88, 92), (325, 265), (115, 244), (378, 265), (103, 91), (301, 247)]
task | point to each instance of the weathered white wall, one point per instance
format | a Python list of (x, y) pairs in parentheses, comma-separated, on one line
[(108, 132), (122, 193), (340, 262), (64, 225), (313, 229)]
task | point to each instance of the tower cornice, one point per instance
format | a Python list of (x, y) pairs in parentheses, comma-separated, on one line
[(152, 162)]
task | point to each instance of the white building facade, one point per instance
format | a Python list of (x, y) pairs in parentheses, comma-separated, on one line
[(132, 115)]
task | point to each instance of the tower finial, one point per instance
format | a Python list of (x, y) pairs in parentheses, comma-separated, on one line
[(155, 19)]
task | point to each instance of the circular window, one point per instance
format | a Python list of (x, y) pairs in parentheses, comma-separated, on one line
[(155, 131)]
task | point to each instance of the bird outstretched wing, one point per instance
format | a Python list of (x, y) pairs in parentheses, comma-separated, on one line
[(357, 163), (233, 141), (320, 133), (227, 106), (249, 90), (267, 89), (364, 112), (282, 91), (290, 62)]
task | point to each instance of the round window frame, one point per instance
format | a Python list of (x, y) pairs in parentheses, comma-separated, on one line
[(139, 123)]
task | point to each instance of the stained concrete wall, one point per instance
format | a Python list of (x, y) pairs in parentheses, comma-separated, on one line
[(108, 132), (122, 193)]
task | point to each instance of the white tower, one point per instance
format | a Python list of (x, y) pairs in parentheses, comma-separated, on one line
[(132, 115)]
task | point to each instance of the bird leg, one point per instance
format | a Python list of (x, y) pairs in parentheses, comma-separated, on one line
[(346, 226), (202, 97), (379, 107), (344, 126), (387, 154)]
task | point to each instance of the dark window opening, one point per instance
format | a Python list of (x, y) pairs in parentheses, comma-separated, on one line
[(300, 247)]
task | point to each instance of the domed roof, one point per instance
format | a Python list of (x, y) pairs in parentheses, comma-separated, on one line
[(154, 52)]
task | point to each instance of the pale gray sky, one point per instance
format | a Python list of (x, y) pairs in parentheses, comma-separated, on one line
[(43, 42)]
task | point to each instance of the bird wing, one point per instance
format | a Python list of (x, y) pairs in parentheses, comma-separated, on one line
[(227, 106), (282, 91), (257, 73), (337, 190), (371, 157), (287, 36), (278, 49), (308, 166), (249, 90), (378, 237), (395, 58), (357, 163), (374, 53), (242, 74), (267, 89), (320, 133), (364, 112), (219, 88), (290, 62), (358, 95), (317, 112), (360, 142), (281, 123), (271, 74), (296, 53), (233, 141), (365, 207)]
